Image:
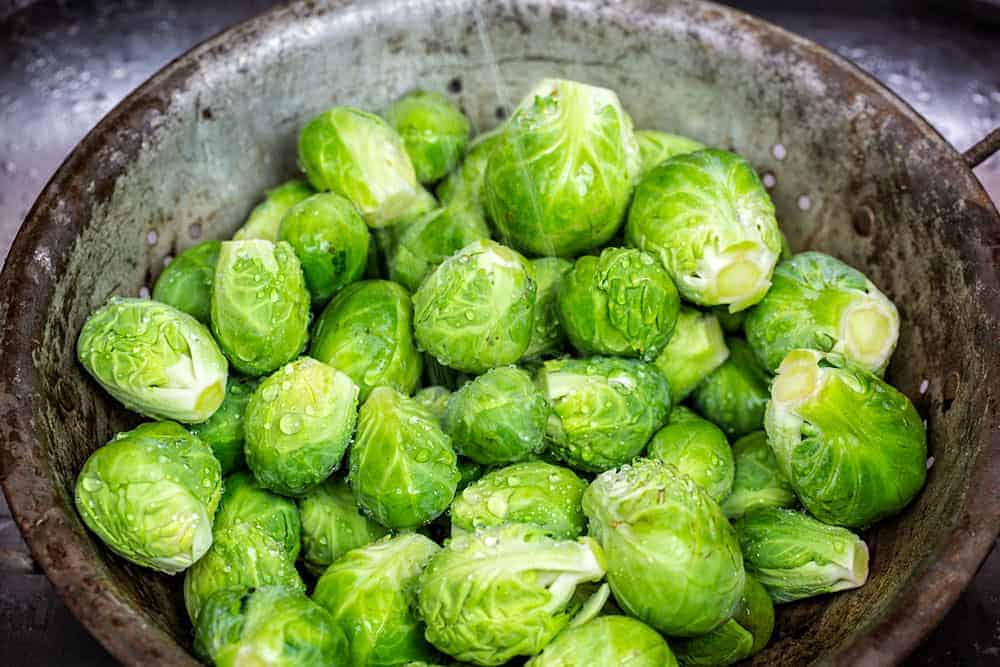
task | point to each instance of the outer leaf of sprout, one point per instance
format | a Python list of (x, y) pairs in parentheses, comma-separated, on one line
[(435, 399), (223, 431), (150, 494), (266, 217), (698, 449), (332, 525), (759, 481), (795, 556), (734, 396), (655, 147), (853, 447), (819, 303), (155, 359), (673, 560), (260, 306), (607, 641), (434, 131), (708, 219), (695, 349), (465, 184), (559, 179), (739, 638), (604, 409), (366, 331), (547, 336), (245, 501), (186, 283), (298, 424)]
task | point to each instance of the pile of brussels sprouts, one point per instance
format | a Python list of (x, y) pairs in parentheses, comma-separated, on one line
[(581, 406)]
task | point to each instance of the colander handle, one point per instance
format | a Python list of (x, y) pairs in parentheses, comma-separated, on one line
[(983, 149)]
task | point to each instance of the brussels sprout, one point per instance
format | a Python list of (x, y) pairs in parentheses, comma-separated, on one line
[(560, 177), (497, 418), (698, 449), (298, 424), (694, 351), (331, 242), (605, 409), (186, 283), (241, 557), (223, 431), (547, 335), (403, 469), (819, 303), (359, 156), (465, 184), (332, 525), (367, 332), (434, 132), (260, 306), (673, 560), (607, 641), (268, 626), (469, 471), (246, 501), (435, 400), (265, 219), (150, 495), (795, 556), (656, 147), (475, 311), (853, 447), (422, 244), (503, 592), (369, 592), (535, 493), (734, 396), (758, 481), (154, 359), (742, 636), (621, 303), (710, 222)]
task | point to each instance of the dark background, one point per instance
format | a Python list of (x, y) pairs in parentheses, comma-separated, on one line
[(63, 65)]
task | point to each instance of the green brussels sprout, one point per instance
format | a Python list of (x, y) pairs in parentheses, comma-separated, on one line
[(819, 303), (547, 335), (469, 471), (759, 481), (154, 359), (734, 395), (186, 283), (423, 243), (403, 469), (853, 447), (742, 636), (503, 592), (559, 179), (332, 525), (265, 218), (795, 556), (607, 641), (366, 331), (475, 311), (223, 431), (435, 400), (245, 501), (731, 323), (298, 424), (695, 350), (465, 184), (698, 449), (260, 306), (621, 303), (604, 409), (710, 222), (370, 591), (434, 131), (241, 557), (498, 418), (535, 493), (268, 626), (150, 495), (359, 156), (673, 560), (656, 147), (331, 241)]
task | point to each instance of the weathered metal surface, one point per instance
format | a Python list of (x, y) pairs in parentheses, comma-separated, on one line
[(857, 174)]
